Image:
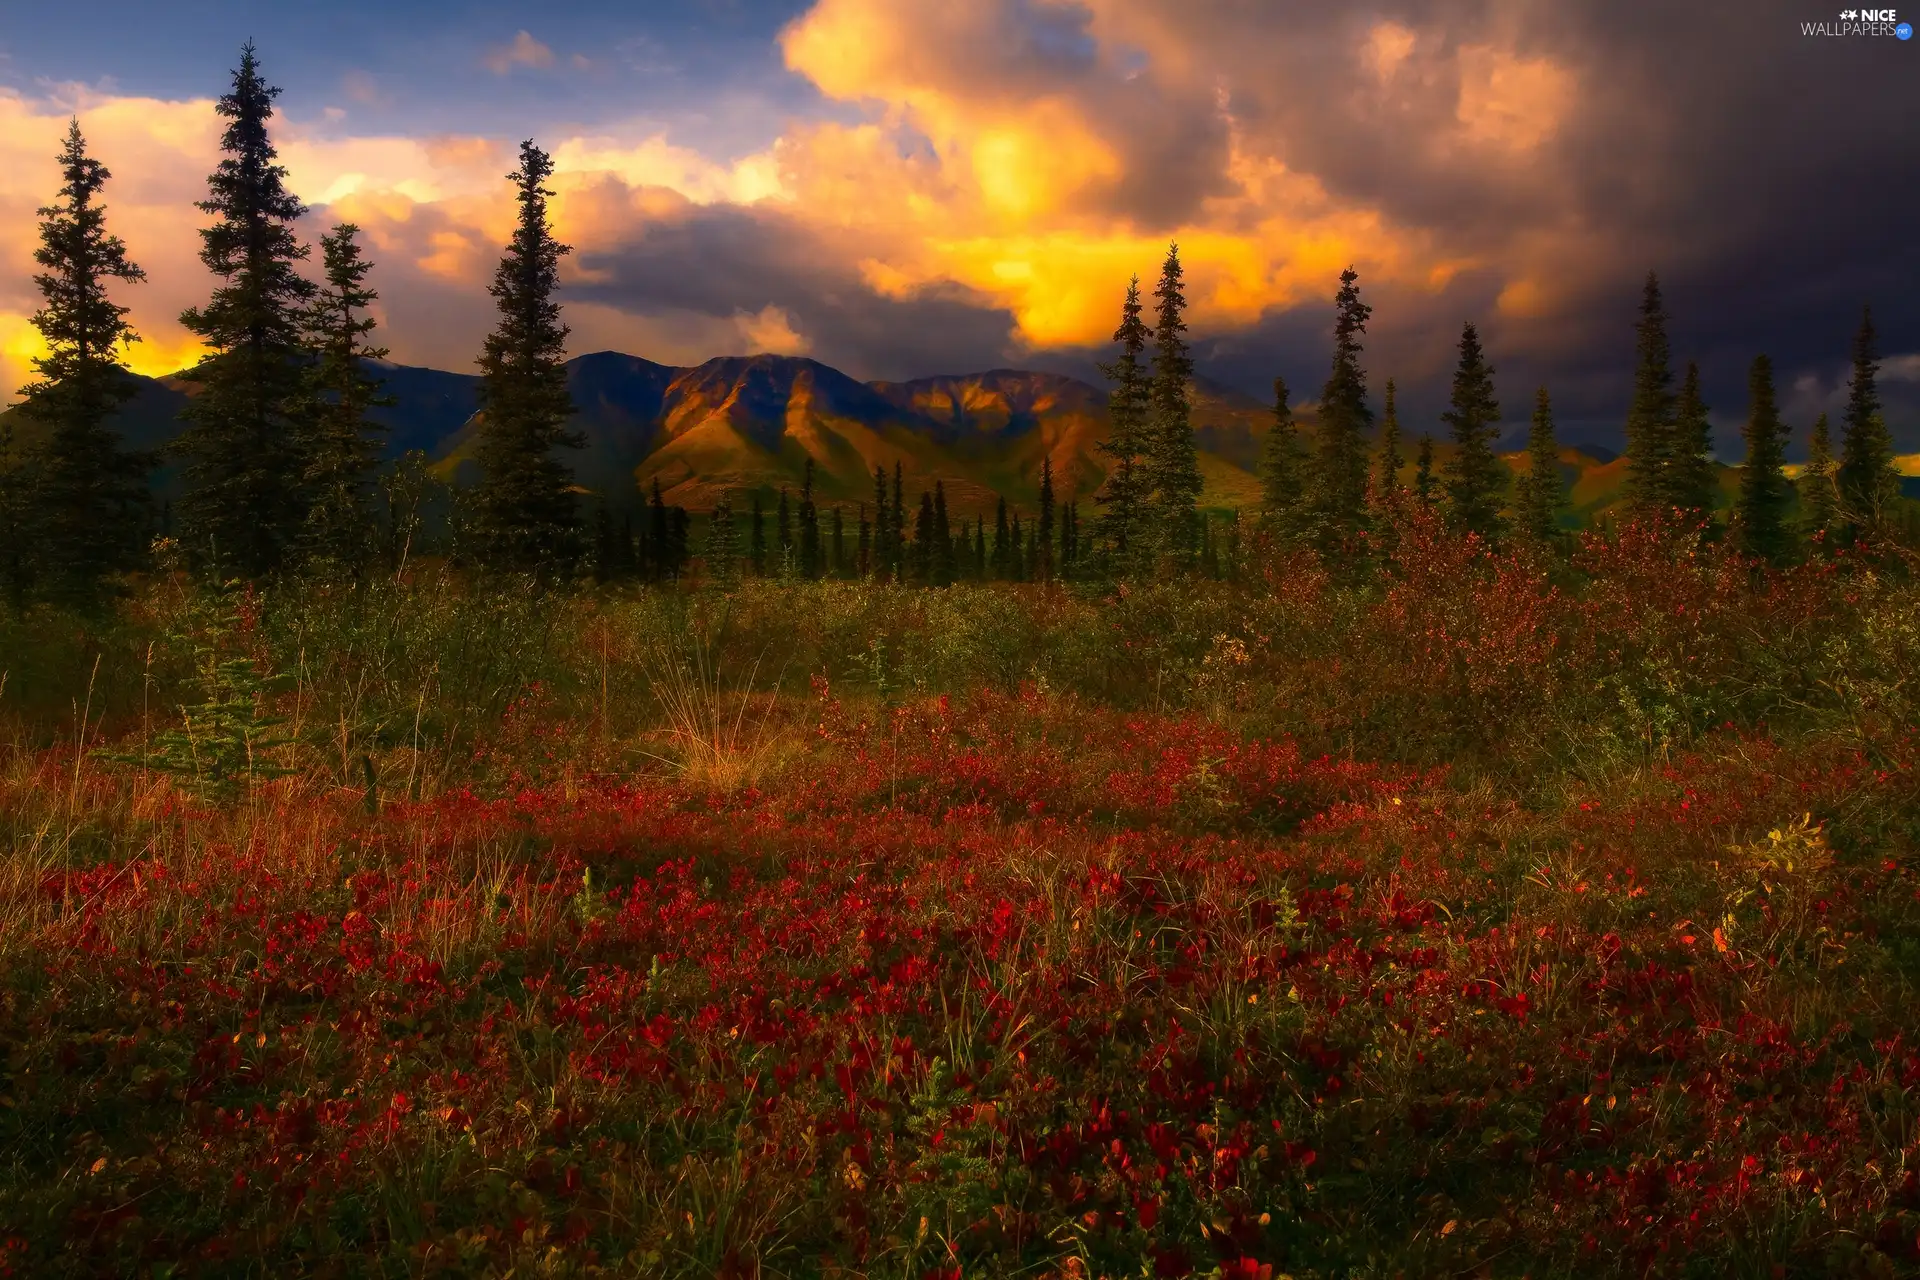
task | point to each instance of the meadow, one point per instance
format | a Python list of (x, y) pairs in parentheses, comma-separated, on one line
[(1465, 913)]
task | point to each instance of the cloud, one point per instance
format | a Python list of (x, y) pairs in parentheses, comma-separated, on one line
[(980, 180), (1901, 368), (771, 330), (522, 51), (361, 88)]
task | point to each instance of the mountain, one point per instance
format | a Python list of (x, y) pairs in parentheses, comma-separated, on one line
[(746, 425)]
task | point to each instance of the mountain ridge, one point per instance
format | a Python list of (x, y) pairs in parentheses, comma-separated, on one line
[(745, 426)]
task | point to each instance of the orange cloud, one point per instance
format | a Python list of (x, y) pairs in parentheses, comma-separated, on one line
[(522, 51), (1012, 199), (1511, 102), (1026, 153)]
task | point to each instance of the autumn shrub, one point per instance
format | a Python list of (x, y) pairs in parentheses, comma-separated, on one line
[(1468, 912)]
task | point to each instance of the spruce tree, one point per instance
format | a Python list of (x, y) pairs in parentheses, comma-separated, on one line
[(865, 549), (659, 535), (242, 443), (1691, 481), (942, 557), (1542, 494), (344, 442), (1476, 477), (1819, 488), (723, 544), (923, 540), (1129, 407), (79, 512), (1650, 419), (1281, 458), (809, 527), (1044, 568), (980, 548), (1761, 518), (1337, 489), (1173, 468), (1868, 481), (524, 504), (1002, 559), (1423, 482), (897, 535), (876, 563), (839, 544), (1387, 483), (1016, 552)]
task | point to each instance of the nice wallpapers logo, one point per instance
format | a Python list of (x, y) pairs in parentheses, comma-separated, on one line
[(1862, 22)]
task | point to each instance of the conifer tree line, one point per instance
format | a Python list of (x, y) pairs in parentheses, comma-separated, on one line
[(1338, 488), (282, 445), (893, 539)]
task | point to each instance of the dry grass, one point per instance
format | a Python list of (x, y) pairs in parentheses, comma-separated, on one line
[(719, 734)]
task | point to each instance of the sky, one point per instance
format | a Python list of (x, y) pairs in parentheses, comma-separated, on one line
[(901, 188)]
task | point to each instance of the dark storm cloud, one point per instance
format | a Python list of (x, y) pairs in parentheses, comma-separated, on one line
[(727, 260), (1769, 176)]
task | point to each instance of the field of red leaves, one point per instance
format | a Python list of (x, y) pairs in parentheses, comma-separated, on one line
[(968, 984)]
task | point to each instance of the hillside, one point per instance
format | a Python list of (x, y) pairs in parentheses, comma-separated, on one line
[(745, 425)]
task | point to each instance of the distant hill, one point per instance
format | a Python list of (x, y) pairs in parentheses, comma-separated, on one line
[(744, 425)]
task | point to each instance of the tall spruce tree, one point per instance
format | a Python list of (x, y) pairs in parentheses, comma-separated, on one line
[(1761, 517), (1691, 481), (1337, 490), (1281, 459), (897, 534), (1869, 483), (923, 540), (1476, 477), (1173, 466), (524, 504), (1386, 485), (1129, 414), (81, 508), (1424, 487), (1650, 419), (942, 560), (344, 441), (1044, 532), (809, 526), (244, 435), (1819, 489), (1542, 496), (1001, 562), (659, 535)]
